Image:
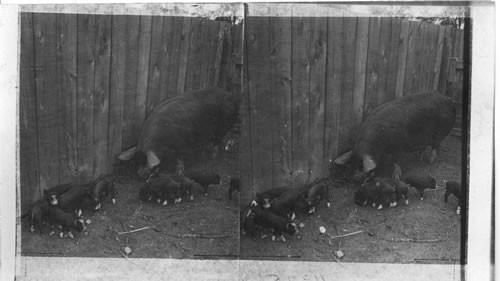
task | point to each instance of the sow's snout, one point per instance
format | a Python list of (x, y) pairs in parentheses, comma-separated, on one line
[(359, 169)]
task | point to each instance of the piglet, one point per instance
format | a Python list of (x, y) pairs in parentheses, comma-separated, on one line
[(420, 181), (37, 213), (455, 188), (204, 178), (268, 218), (66, 220), (264, 198)]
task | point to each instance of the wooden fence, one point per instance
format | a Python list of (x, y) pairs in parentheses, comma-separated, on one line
[(310, 82), (87, 82)]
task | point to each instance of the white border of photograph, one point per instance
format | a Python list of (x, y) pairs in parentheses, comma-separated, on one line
[(481, 159)]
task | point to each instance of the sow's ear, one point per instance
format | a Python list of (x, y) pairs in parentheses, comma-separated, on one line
[(368, 164), (127, 154), (343, 159), (153, 160)]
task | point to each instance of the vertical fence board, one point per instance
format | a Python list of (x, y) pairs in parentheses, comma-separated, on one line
[(300, 98), (402, 57), (117, 85), (281, 67), (358, 98), (101, 96), (174, 59), (143, 70), (333, 87), (166, 45), (347, 85), (47, 99), (129, 132), (392, 65), (418, 66), (86, 63), (461, 43), (432, 56), (211, 30), (208, 50), (411, 63), (245, 147), (196, 54), (66, 72), (317, 86), (439, 57), (259, 97), (154, 63), (183, 56), (28, 145), (372, 66), (419, 80), (215, 68), (383, 66), (447, 48)]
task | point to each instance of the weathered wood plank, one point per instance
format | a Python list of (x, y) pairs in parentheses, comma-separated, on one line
[(347, 132), (235, 59), (301, 29), (101, 164), (359, 92), (154, 73), (461, 43), (439, 57), (447, 48), (419, 80), (28, 135), (392, 68), (174, 57), (317, 87), (208, 49), (226, 61), (431, 56), (129, 131), (167, 35), (281, 74), (196, 54), (383, 64), (85, 82), (245, 147), (402, 57), (411, 64), (425, 56), (215, 69), (372, 66), (47, 98), (333, 88), (66, 72), (183, 56), (211, 49), (259, 97), (117, 85), (143, 69), (419, 43)]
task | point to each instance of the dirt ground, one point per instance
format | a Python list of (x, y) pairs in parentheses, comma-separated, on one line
[(425, 231)]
